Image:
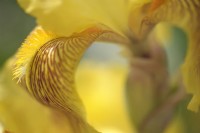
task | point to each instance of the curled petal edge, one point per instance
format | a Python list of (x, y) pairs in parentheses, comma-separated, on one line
[(46, 64)]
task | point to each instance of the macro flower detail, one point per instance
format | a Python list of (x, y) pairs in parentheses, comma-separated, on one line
[(48, 74), (46, 63)]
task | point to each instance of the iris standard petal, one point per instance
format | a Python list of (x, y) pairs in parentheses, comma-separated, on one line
[(69, 16)]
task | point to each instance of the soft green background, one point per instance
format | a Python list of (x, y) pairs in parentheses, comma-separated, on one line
[(14, 27)]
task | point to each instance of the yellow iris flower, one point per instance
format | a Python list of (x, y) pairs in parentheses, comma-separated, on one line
[(46, 62), (20, 113), (126, 22)]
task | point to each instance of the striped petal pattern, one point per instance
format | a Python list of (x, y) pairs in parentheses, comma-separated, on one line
[(48, 73)]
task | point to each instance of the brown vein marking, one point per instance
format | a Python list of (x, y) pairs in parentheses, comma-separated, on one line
[(52, 79), (175, 11), (189, 5), (52, 71)]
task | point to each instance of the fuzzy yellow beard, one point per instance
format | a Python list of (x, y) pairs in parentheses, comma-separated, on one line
[(26, 52)]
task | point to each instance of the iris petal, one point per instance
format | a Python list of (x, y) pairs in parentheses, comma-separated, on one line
[(46, 67), (69, 16)]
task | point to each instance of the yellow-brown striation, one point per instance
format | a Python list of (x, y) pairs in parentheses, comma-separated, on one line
[(53, 67), (49, 75), (182, 13)]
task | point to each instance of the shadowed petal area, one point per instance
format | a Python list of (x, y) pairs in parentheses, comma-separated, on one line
[(172, 12)]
